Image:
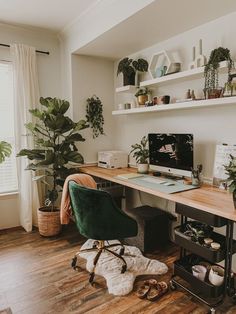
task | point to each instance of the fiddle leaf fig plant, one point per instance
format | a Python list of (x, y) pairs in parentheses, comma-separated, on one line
[(5, 151), (55, 136), (94, 115)]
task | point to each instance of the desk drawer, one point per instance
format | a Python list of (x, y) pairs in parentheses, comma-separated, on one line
[(199, 215)]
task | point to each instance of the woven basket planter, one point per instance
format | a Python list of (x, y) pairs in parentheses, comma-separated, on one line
[(49, 223)]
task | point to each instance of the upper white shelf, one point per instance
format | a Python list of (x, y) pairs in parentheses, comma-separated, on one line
[(182, 105), (181, 76), (127, 89)]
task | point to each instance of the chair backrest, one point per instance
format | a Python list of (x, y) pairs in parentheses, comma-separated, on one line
[(97, 216)]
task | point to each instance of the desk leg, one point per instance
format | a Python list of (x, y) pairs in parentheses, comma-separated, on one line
[(228, 257), (183, 221)]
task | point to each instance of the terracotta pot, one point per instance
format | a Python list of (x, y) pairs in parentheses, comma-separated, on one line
[(49, 223), (143, 168), (213, 93), (142, 99)]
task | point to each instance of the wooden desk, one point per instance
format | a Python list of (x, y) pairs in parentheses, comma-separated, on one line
[(206, 198)]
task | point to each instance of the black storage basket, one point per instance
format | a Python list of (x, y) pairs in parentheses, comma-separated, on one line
[(203, 288), (209, 254)]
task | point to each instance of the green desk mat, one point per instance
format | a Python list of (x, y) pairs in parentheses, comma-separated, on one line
[(178, 187)]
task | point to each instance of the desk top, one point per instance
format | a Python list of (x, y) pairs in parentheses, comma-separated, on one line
[(207, 198)]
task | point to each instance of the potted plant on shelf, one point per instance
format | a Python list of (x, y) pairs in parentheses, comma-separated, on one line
[(55, 135), (5, 151), (129, 67), (211, 72), (142, 95), (94, 115), (231, 171), (141, 154)]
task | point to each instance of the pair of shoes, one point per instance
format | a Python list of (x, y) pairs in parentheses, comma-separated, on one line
[(152, 290)]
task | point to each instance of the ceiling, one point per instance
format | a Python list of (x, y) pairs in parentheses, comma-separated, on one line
[(50, 14), (158, 21)]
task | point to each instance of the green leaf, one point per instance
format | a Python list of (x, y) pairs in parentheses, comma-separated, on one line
[(32, 154), (64, 107), (5, 151), (74, 138), (36, 113), (74, 157)]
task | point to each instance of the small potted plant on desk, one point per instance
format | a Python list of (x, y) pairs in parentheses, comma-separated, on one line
[(231, 171), (141, 154), (142, 95), (55, 136), (129, 67), (211, 72)]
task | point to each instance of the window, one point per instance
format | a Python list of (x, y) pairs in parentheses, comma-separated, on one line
[(8, 175)]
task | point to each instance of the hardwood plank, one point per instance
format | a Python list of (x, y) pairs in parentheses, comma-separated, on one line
[(36, 278)]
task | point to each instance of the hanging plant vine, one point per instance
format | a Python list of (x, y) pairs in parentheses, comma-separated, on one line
[(211, 70), (94, 115)]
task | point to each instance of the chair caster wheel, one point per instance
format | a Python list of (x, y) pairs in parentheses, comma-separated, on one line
[(122, 251), (74, 262), (91, 277), (173, 286), (124, 268)]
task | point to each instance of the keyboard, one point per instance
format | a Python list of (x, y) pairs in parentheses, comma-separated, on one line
[(157, 181)]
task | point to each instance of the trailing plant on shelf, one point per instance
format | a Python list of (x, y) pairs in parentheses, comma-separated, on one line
[(211, 71), (141, 154), (94, 115), (231, 172), (5, 151), (129, 67)]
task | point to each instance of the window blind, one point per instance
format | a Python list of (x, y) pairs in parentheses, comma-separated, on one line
[(8, 174)]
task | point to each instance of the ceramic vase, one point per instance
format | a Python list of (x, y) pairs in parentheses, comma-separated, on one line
[(143, 168)]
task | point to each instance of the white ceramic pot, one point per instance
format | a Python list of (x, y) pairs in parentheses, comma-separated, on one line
[(216, 275), (199, 271), (143, 168)]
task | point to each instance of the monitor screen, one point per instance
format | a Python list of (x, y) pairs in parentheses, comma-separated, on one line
[(172, 153)]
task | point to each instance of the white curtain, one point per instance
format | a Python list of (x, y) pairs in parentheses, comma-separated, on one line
[(26, 96)]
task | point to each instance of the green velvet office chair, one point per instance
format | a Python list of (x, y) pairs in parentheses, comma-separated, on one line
[(98, 217)]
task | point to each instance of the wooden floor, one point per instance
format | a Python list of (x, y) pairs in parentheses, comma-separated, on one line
[(36, 278)]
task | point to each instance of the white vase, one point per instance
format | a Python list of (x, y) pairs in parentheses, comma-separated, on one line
[(143, 168)]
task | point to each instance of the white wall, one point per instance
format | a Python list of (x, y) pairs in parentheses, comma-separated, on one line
[(209, 125), (50, 85), (93, 76)]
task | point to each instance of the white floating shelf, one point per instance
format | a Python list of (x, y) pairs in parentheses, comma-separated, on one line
[(127, 89), (181, 76), (182, 105)]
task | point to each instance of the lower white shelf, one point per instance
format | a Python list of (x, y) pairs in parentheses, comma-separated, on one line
[(183, 105)]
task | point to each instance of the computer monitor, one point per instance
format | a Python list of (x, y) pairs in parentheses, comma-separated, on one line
[(171, 153)]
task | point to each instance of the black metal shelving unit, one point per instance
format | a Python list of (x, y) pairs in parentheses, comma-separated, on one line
[(182, 276)]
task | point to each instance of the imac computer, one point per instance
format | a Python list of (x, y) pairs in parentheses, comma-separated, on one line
[(171, 153)]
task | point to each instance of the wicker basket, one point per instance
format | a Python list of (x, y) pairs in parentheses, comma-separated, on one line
[(49, 223)]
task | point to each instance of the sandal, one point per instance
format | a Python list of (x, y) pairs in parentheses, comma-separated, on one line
[(143, 290), (157, 290)]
